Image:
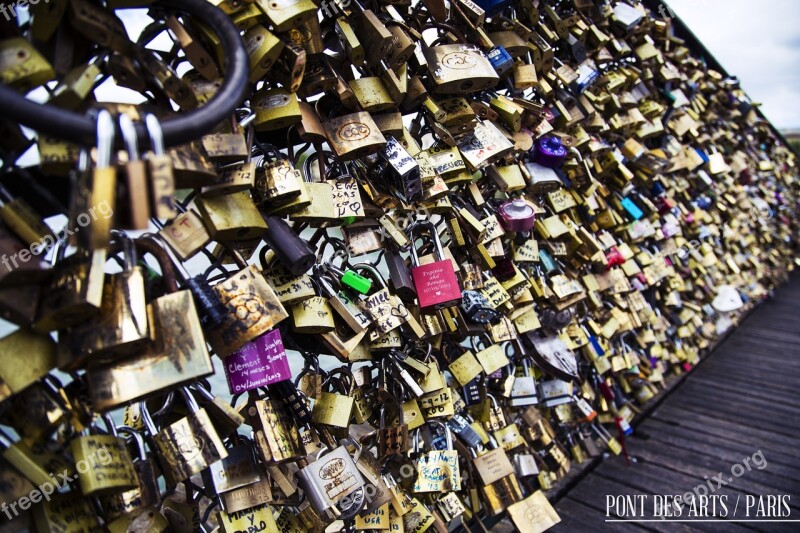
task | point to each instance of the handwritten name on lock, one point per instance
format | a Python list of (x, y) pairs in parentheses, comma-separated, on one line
[(258, 364)]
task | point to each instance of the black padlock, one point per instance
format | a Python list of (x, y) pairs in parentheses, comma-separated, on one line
[(295, 401), (210, 308), (475, 307), (399, 276), (402, 169), (293, 252)]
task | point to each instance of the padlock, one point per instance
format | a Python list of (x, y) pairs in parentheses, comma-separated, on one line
[(75, 294), (223, 417), (437, 470), (493, 464), (290, 66), (40, 464), (159, 166), (239, 521), (353, 136), (458, 69), (330, 479), (189, 445), (253, 309), (524, 392), (239, 469), (286, 14), (178, 339), (146, 494), (436, 283), (38, 410), (22, 66), (102, 183), (65, 511), (135, 169), (345, 303), (476, 307), (14, 484), (23, 221), (392, 433), (276, 181), (276, 109), (30, 357), (334, 408), (276, 434), (231, 217), (122, 327), (108, 472), (258, 363), (516, 215), (384, 308), (402, 170), (312, 315)]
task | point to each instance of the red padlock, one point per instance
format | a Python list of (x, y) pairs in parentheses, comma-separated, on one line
[(436, 283), (614, 257)]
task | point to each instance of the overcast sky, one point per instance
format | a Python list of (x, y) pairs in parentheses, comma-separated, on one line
[(758, 41)]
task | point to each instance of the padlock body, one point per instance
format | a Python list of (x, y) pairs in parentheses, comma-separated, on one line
[(437, 285), (257, 364)]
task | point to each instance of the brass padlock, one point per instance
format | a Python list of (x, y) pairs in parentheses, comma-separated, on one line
[(458, 69), (109, 464), (122, 327), (276, 433), (22, 66), (276, 108), (189, 445), (176, 355), (76, 292), (253, 309), (231, 217), (353, 136), (334, 408)]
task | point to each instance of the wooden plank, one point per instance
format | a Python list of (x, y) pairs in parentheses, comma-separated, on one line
[(699, 442), (741, 401), (748, 383), (751, 389), (740, 414), (775, 411), (736, 432)]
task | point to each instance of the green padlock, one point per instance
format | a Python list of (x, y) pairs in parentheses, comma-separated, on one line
[(355, 281)]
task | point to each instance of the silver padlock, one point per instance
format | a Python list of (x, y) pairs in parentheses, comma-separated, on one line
[(524, 391), (331, 478), (525, 465)]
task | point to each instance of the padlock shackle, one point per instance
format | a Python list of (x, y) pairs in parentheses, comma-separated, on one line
[(181, 128), (437, 244), (371, 271), (154, 247), (128, 131), (137, 438)]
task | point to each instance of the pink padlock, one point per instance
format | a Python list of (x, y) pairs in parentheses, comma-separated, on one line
[(436, 283), (258, 363)]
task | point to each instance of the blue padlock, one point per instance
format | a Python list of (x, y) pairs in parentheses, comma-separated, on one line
[(500, 59), (632, 209), (493, 7)]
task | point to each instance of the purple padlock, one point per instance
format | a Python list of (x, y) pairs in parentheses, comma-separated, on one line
[(258, 363), (516, 215), (549, 152)]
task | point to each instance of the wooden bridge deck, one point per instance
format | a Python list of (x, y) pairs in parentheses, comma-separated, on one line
[(741, 400)]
